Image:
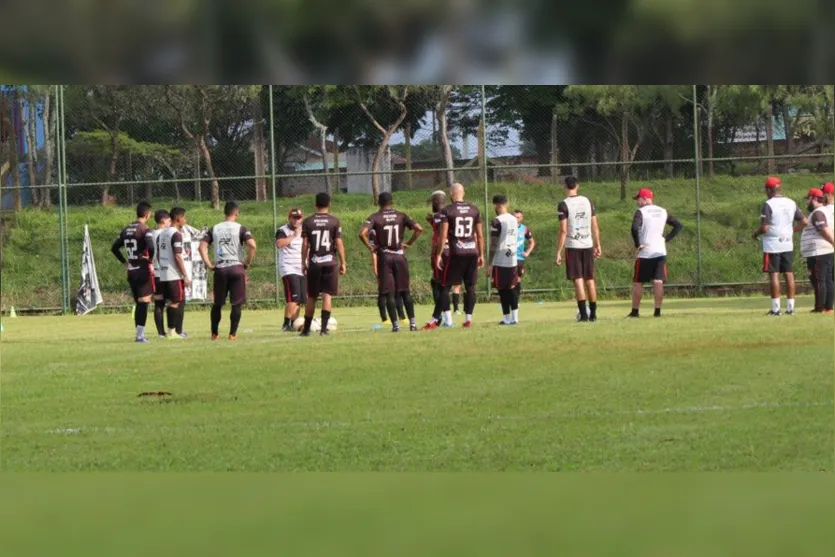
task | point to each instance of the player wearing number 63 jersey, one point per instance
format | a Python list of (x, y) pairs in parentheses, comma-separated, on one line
[(138, 242), (389, 227), (461, 224), (321, 243)]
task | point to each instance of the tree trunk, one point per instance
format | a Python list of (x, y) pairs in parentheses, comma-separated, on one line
[(593, 159), (198, 190), (555, 150), (711, 170), (669, 167), (32, 149), (259, 150), (49, 148), (624, 154), (408, 153), (375, 165), (114, 159), (769, 136), (207, 156), (336, 182), (323, 151), (14, 154), (757, 144), (787, 126), (440, 111)]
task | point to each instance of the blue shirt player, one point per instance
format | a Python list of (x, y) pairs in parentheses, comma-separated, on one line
[(525, 239)]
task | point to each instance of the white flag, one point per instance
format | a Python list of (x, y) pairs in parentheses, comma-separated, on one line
[(89, 294), (196, 270)]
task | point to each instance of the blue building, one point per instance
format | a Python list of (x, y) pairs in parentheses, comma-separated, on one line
[(14, 110)]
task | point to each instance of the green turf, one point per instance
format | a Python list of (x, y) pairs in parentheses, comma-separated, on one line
[(713, 385), (730, 211)]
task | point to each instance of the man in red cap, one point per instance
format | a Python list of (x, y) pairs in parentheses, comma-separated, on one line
[(777, 218), (648, 234), (828, 190), (817, 245), (288, 242)]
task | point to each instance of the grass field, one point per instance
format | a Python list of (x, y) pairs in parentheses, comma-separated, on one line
[(713, 385), (729, 210)]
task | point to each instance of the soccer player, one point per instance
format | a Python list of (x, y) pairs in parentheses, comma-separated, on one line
[(288, 242), (817, 245), (438, 202), (229, 239), (580, 238), (648, 234), (381, 298), (322, 242), (163, 220), (524, 236), (389, 228), (172, 271), (777, 216), (138, 242), (503, 246), (828, 190), (461, 225)]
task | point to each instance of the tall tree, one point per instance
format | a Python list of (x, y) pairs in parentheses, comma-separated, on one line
[(443, 92), (316, 104), (393, 101)]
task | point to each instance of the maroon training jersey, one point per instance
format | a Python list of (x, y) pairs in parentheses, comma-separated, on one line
[(463, 219), (436, 220), (321, 232), (388, 227), (137, 240)]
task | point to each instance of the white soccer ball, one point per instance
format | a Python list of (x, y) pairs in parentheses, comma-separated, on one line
[(315, 325), (332, 324), (298, 324)]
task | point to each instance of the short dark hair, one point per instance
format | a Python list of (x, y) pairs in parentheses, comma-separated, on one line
[(161, 215), (570, 182), (384, 199), (230, 208), (518, 211), (143, 209), (177, 212), (323, 200), (499, 199)]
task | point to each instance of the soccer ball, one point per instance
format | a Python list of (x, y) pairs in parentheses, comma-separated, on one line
[(315, 325), (332, 324), (298, 324)]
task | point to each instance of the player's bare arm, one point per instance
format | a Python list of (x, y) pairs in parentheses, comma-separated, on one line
[(531, 246), (595, 232), (340, 249), (561, 240), (250, 253), (305, 253), (204, 254), (374, 263), (479, 238), (764, 223), (116, 250), (443, 231), (417, 230), (364, 236), (494, 245), (282, 243)]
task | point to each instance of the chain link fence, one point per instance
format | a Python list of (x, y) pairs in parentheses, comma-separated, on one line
[(85, 155)]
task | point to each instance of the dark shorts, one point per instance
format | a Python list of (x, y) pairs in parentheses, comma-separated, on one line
[(172, 290), (230, 281), (778, 262), (393, 273), (295, 289), (504, 278), (142, 283), (460, 269), (322, 280), (649, 270), (158, 288), (438, 276), (579, 264), (520, 269)]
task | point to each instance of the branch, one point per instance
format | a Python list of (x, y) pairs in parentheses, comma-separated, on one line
[(179, 110), (364, 108), (318, 125)]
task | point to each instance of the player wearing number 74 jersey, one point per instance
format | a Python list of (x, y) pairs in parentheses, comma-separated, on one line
[(321, 243)]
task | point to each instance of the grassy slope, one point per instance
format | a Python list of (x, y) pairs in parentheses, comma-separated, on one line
[(31, 274), (712, 386)]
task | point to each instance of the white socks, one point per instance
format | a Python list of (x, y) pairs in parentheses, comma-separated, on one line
[(140, 331), (507, 319), (514, 313), (775, 304), (447, 317), (790, 305), (469, 317)]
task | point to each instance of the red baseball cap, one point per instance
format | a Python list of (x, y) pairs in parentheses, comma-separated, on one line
[(828, 187), (773, 182), (295, 213), (814, 192), (646, 193)]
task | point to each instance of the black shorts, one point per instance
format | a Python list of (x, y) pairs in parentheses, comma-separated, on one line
[(141, 281), (649, 270), (520, 270), (504, 278), (158, 288), (172, 290), (460, 269), (392, 273), (579, 264), (322, 279), (230, 281), (778, 262), (295, 289)]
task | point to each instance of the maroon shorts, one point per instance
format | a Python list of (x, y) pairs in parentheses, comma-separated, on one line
[(438, 276), (172, 290), (141, 281), (649, 270), (460, 269), (322, 279), (230, 281), (504, 278), (392, 273), (579, 264), (295, 289)]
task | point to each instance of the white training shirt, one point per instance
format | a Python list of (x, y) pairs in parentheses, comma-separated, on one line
[(579, 214), (155, 234), (506, 228), (651, 235), (228, 239), (779, 213), (290, 256), (167, 243), (812, 244)]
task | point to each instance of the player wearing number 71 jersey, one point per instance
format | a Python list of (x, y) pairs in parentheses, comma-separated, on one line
[(321, 243)]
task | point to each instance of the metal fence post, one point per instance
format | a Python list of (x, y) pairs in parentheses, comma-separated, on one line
[(66, 201), (59, 172), (483, 148), (272, 179), (696, 160)]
